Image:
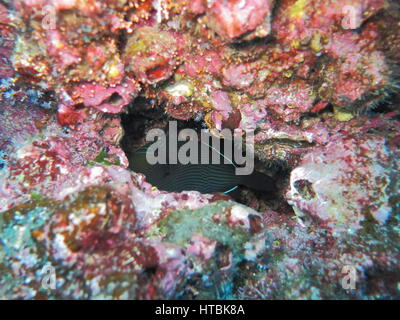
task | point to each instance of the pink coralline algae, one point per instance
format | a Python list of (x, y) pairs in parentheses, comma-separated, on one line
[(110, 100), (232, 19), (7, 33), (82, 82)]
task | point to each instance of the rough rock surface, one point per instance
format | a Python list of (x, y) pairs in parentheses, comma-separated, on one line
[(317, 81)]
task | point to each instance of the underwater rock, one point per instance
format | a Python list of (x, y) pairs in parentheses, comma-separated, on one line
[(302, 20), (233, 19), (151, 54), (349, 181), (315, 80), (40, 166), (8, 34), (96, 223), (93, 238), (298, 262), (108, 100)]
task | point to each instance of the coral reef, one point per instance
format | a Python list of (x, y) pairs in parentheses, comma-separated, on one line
[(346, 182), (83, 81)]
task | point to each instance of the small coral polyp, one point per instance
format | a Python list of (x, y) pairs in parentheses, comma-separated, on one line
[(83, 81)]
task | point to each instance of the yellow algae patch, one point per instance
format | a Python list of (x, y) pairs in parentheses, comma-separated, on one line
[(316, 44), (297, 10), (111, 68), (343, 115)]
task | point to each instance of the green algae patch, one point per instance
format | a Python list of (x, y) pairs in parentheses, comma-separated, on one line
[(181, 225), (104, 159), (35, 196)]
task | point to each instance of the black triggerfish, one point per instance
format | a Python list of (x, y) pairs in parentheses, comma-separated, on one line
[(205, 178)]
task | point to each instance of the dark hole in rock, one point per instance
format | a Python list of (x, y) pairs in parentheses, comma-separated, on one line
[(150, 271), (144, 114), (385, 106), (114, 99), (79, 106), (378, 279), (122, 40)]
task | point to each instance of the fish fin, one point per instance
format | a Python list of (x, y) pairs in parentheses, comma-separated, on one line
[(231, 189)]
